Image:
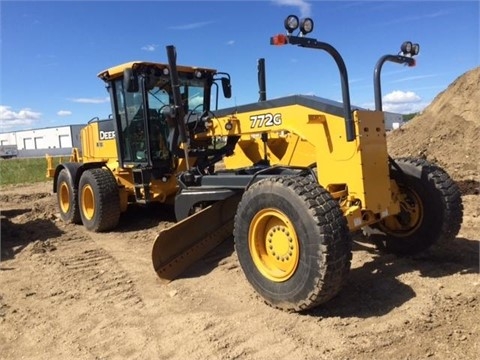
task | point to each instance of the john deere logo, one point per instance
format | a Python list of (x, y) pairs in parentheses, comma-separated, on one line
[(107, 135), (106, 130)]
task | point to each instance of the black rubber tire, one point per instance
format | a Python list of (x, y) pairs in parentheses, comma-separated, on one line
[(67, 199), (441, 208), (98, 193), (325, 245)]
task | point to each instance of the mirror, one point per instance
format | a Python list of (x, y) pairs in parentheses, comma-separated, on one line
[(227, 87)]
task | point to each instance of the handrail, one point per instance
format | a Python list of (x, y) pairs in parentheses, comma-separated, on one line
[(315, 44)]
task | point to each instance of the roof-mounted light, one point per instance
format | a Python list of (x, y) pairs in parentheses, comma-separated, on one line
[(291, 23), (406, 47), (415, 49), (306, 26), (409, 49)]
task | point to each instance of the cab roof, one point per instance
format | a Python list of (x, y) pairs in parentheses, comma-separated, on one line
[(117, 71)]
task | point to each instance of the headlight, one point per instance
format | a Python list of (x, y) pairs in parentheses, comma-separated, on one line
[(406, 47), (306, 26), (415, 49), (291, 23)]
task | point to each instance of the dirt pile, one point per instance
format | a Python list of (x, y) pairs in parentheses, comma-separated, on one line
[(448, 130)]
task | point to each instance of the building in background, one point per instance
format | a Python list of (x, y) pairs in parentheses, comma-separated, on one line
[(393, 120), (37, 142)]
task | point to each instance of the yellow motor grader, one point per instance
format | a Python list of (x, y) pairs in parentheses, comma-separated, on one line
[(291, 178)]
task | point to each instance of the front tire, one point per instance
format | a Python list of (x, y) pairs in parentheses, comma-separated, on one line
[(99, 200), (431, 208), (292, 242)]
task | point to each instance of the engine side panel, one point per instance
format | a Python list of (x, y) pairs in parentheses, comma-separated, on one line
[(98, 141), (302, 131)]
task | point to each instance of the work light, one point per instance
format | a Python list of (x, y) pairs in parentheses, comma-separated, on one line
[(415, 49), (306, 26), (291, 23), (406, 47)]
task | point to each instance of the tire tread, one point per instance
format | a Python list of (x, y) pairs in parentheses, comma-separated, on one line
[(334, 255), (107, 200)]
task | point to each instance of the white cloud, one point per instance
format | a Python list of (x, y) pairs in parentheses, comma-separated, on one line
[(406, 108), (10, 118), (149, 47), (400, 97), (230, 42), (64, 113), (91, 100), (191, 25), (403, 102), (303, 6)]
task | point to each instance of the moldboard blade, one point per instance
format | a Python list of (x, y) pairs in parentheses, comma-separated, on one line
[(178, 247)]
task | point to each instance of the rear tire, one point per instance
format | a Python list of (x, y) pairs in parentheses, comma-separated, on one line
[(67, 199), (432, 209), (292, 242), (99, 200)]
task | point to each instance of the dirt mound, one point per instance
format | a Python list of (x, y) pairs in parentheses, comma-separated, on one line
[(447, 132)]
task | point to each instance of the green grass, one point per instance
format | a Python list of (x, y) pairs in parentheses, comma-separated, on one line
[(24, 171)]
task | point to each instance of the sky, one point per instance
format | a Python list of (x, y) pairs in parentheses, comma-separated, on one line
[(52, 51)]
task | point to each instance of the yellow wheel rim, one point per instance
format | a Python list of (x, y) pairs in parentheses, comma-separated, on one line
[(273, 245), (64, 197), (410, 217), (88, 202)]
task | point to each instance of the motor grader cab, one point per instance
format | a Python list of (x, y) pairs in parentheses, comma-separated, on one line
[(146, 125), (132, 157)]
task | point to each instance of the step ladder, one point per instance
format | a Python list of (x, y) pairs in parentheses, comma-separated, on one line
[(141, 181)]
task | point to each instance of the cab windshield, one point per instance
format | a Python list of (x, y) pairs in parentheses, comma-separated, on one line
[(147, 133)]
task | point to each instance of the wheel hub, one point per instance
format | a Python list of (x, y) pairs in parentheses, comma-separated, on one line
[(88, 202), (64, 197), (410, 217), (274, 245), (280, 243)]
